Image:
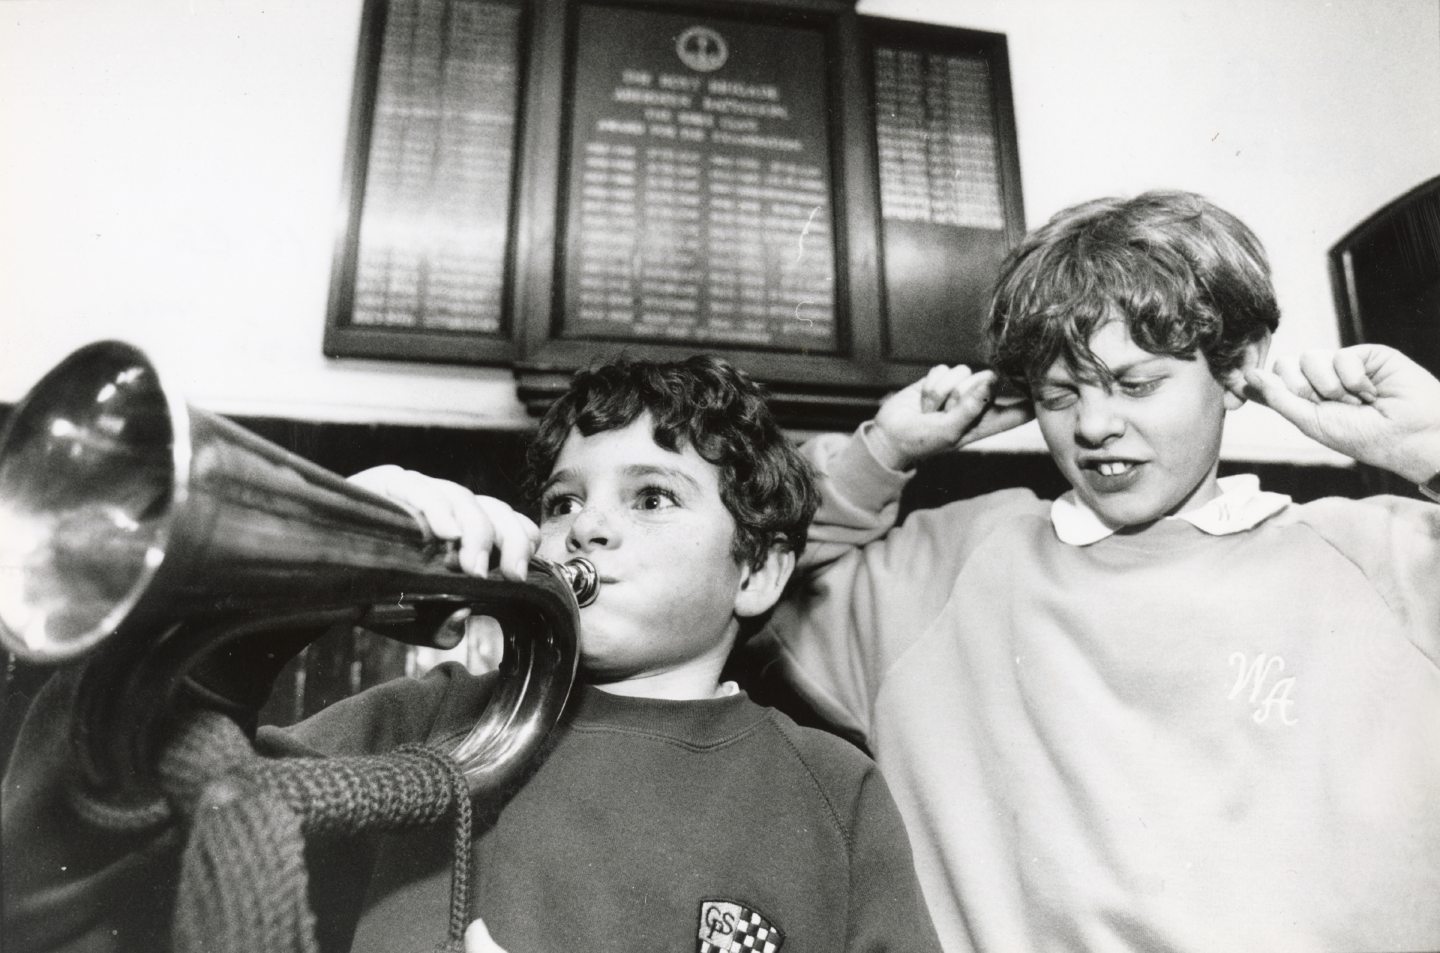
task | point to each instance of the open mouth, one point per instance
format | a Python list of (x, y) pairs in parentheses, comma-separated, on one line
[(1111, 476)]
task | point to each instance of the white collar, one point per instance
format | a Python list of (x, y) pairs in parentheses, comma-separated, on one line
[(1241, 505)]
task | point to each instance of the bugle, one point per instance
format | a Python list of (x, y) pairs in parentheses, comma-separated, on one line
[(184, 559)]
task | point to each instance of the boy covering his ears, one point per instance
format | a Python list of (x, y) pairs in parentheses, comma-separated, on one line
[(1165, 711)]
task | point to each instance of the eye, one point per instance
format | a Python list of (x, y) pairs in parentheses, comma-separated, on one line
[(655, 498), (1141, 388), (556, 505), (1053, 398)]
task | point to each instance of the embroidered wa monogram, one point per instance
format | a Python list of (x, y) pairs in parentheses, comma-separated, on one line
[(727, 927), (1269, 697)]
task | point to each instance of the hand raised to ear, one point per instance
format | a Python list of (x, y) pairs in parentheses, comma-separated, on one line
[(946, 409), (1369, 402)]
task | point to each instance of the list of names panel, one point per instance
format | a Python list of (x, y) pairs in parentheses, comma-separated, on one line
[(935, 127), (433, 237), (699, 192)]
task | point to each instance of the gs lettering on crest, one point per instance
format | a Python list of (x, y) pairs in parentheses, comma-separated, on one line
[(1270, 697), (730, 927), (719, 921)]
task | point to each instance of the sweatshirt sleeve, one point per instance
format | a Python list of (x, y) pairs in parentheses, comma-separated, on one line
[(70, 883), (437, 708), (859, 496), (871, 588), (444, 702), (887, 910), (1395, 542)]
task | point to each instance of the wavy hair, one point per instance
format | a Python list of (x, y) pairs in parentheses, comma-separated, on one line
[(1183, 274), (712, 406)]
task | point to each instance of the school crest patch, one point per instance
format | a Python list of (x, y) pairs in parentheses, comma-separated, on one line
[(728, 927)]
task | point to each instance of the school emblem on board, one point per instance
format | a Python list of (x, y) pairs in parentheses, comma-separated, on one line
[(702, 49), (727, 927)]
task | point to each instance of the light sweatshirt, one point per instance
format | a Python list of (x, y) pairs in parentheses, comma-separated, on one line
[(1163, 740)]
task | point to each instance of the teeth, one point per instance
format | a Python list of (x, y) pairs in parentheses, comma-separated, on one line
[(1113, 468)]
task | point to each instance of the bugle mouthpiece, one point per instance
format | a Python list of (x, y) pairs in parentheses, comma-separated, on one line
[(583, 579)]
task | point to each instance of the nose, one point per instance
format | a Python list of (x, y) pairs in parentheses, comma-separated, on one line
[(591, 529), (1097, 420)]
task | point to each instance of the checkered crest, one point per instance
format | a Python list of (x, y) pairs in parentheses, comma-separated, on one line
[(727, 927)]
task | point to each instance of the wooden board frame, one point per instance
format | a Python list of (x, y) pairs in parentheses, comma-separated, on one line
[(882, 338)]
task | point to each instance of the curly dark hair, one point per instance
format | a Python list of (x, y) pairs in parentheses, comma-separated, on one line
[(1183, 274), (712, 406)]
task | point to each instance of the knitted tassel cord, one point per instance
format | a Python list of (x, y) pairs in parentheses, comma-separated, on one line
[(243, 883)]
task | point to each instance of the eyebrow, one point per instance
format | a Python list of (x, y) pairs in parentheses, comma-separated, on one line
[(633, 471), (1115, 373)]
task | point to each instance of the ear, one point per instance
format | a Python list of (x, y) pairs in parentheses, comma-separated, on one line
[(760, 588), (1234, 380)]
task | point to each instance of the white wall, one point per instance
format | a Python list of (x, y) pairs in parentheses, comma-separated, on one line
[(170, 174), (170, 171)]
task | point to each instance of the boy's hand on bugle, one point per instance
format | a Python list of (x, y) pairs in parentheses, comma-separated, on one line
[(447, 510), (1369, 401), (946, 409)]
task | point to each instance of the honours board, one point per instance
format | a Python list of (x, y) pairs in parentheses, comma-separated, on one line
[(699, 184), (822, 197)]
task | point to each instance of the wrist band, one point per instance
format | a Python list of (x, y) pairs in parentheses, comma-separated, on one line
[(1431, 487)]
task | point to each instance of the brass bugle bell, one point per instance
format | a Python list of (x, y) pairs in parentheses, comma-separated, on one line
[(149, 538)]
